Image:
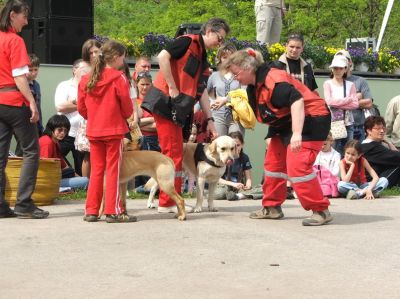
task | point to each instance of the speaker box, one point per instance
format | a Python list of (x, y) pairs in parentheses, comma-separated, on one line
[(57, 29), (183, 29)]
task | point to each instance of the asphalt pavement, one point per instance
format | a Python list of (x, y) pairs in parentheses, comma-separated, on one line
[(211, 255)]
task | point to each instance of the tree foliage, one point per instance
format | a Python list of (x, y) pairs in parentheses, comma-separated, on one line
[(324, 22)]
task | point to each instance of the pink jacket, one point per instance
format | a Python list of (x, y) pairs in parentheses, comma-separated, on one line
[(349, 102)]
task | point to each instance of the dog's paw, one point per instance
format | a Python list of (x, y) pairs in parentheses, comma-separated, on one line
[(197, 210), (180, 217), (212, 209)]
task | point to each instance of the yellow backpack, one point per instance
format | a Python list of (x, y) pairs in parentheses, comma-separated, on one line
[(241, 109)]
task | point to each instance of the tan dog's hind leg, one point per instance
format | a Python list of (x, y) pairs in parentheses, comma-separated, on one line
[(122, 189), (168, 187)]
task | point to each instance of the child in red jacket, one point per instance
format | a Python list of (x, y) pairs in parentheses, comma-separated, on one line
[(104, 100)]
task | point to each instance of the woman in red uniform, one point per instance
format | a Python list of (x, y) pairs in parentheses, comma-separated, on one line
[(182, 79), (18, 111), (299, 122), (104, 100)]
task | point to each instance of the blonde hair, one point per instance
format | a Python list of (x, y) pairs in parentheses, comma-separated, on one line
[(109, 51), (247, 59)]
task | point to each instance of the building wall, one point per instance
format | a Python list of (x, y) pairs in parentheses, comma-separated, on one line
[(383, 90)]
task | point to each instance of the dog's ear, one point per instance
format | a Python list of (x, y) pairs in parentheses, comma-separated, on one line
[(212, 147)]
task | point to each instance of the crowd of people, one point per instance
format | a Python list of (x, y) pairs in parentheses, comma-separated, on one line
[(102, 107)]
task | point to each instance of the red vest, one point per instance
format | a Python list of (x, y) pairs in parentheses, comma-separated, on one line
[(185, 70), (267, 113)]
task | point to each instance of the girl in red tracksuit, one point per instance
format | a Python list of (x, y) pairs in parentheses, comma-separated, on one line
[(104, 100)]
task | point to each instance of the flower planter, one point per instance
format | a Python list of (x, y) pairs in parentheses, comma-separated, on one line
[(47, 182), (362, 67)]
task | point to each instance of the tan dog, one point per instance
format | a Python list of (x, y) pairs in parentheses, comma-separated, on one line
[(153, 164), (218, 154)]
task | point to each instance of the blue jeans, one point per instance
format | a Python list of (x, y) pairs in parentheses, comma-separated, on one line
[(344, 187), (340, 143), (359, 133), (75, 182)]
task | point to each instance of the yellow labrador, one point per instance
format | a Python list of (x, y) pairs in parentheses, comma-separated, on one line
[(208, 163)]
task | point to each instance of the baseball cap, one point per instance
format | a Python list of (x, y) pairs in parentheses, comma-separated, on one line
[(343, 53), (338, 61)]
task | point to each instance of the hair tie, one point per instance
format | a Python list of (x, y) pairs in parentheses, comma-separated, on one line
[(251, 52)]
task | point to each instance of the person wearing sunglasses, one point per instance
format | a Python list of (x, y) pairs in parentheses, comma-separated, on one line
[(180, 83), (56, 130)]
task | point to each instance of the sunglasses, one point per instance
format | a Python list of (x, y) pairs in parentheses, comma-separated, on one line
[(221, 39), (142, 75)]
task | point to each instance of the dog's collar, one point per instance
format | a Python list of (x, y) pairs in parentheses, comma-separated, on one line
[(200, 155)]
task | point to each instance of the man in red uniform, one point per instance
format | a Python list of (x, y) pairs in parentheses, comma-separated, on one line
[(179, 83), (299, 122)]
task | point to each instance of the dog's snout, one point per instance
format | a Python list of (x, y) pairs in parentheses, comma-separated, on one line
[(229, 162)]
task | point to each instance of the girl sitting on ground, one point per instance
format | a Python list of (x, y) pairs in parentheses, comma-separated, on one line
[(57, 129), (354, 184), (236, 181)]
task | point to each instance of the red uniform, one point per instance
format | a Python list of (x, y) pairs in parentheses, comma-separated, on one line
[(106, 108), (281, 163), (188, 72), (13, 57)]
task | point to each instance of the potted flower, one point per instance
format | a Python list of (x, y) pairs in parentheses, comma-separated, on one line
[(387, 62)]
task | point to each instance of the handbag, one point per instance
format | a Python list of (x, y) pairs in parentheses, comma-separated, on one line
[(338, 127), (81, 142)]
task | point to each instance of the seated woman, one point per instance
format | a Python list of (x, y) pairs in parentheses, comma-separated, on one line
[(236, 183), (56, 129)]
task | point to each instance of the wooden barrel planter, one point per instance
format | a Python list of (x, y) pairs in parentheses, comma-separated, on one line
[(47, 182)]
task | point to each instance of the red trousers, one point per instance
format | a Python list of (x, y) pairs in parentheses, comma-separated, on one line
[(171, 143), (105, 158), (282, 164)]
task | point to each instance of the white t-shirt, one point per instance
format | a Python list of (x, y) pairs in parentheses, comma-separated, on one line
[(64, 90), (330, 160)]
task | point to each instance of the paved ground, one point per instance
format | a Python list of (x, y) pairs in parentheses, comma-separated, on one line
[(211, 255)]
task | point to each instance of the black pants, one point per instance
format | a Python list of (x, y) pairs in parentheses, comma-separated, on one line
[(67, 145), (16, 120)]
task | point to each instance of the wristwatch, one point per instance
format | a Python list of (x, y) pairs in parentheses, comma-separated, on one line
[(210, 118)]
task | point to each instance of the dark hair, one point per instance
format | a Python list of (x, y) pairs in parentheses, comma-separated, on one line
[(34, 60), (17, 6), (237, 135), (125, 69), (372, 120), (87, 45), (353, 143), (215, 25), (296, 36), (56, 121), (109, 51)]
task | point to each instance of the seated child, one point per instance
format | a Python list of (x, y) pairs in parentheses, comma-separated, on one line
[(56, 129), (236, 182), (326, 166), (353, 182)]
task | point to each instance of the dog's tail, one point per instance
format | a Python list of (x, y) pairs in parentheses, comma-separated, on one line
[(151, 184)]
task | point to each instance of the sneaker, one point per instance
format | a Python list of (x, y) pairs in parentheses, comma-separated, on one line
[(90, 218), (267, 213), (318, 218), (231, 196), (35, 214), (173, 209), (120, 218), (352, 194), (289, 193), (8, 214)]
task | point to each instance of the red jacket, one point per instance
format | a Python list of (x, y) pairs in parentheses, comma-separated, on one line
[(107, 106), (50, 149)]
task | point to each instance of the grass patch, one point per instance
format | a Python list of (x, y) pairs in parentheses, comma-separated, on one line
[(81, 194), (394, 191)]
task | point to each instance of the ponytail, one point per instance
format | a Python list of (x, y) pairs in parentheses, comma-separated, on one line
[(98, 67)]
